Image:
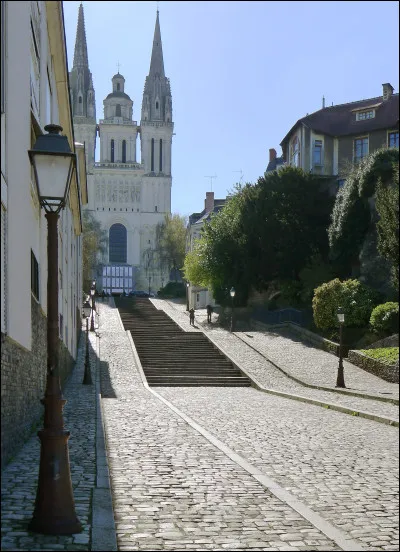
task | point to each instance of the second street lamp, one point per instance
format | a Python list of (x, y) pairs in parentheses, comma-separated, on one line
[(92, 291), (340, 374), (87, 378), (187, 295), (232, 294), (53, 164)]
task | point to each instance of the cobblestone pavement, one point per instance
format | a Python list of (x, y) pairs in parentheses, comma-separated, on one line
[(345, 468), (19, 478), (272, 378), (172, 489)]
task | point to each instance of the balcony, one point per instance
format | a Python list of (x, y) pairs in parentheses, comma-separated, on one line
[(111, 122), (118, 165)]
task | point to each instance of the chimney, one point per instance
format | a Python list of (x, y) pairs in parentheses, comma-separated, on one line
[(387, 91), (272, 154), (209, 202), (323, 102)]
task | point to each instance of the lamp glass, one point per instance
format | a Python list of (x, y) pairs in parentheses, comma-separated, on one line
[(53, 174), (340, 315), (87, 309), (187, 284), (92, 291), (232, 292)]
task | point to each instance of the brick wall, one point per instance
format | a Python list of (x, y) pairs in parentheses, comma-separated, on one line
[(23, 380)]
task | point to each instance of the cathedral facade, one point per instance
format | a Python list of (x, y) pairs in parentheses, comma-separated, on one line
[(128, 197)]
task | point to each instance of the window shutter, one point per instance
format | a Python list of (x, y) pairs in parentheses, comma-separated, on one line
[(3, 270)]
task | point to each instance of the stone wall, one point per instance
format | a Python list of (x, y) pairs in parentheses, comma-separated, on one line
[(391, 341), (23, 380), (385, 371)]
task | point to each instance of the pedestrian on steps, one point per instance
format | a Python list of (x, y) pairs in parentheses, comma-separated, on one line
[(191, 316), (209, 313)]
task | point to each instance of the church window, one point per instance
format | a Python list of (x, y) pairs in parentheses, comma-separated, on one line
[(123, 151), (156, 105), (152, 155), (118, 110), (112, 151), (118, 86), (80, 99), (160, 155), (155, 208), (117, 243)]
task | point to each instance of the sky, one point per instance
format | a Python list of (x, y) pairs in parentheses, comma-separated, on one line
[(241, 74)]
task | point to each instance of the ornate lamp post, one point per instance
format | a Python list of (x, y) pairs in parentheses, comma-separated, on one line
[(87, 378), (53, 163), (340, 374), (232, 294), (92, 292), (187, 295)]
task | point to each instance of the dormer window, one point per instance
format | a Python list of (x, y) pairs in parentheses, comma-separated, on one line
[(364, 115), (118, 86)]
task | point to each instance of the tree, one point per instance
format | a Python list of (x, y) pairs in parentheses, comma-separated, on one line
[(170, 243), (387, 206), (95, 242)]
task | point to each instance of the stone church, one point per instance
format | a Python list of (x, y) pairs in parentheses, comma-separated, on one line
[(128, 197)]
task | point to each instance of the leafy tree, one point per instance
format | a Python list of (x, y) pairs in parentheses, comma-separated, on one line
[(170, 244), (351, 216), (387, 206), (95, 241)]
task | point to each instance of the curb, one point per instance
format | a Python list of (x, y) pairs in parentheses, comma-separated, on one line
[(103, 525)]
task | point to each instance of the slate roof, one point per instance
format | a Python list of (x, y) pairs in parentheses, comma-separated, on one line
[(340, 120), (272, 165), (118, 94), (197, 218)]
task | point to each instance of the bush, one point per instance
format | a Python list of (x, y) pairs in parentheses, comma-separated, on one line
[(356, 299), (173, 289), (385, 319)]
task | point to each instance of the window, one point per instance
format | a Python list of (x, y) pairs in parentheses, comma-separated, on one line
[(117, 243), (295, 152), (152, 155), (317, 152), (123, 151), (156, 105), (118, 86), (160, 155), (155, 208), (393, 139), (118, 110), (112, 151), (80, 99), (363, 115), (34, 276), (360, 149)]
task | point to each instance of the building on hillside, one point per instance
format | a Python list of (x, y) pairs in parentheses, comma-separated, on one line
[(334, 138), (200, 297), (127, 196), (34, 93)]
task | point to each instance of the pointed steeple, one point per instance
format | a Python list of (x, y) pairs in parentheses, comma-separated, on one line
[(80, 54), (157, 61)]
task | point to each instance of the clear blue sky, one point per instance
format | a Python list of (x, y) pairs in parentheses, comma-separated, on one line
[(242, 73)]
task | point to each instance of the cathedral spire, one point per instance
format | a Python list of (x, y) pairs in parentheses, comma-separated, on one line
[(80, 54), (157, 61)]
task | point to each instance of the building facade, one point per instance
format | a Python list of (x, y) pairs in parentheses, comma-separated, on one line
[(199, 297), (127, 196), (33, 96), (331, 140)]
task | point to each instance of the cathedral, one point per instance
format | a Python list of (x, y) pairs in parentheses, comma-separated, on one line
[(129, 198)]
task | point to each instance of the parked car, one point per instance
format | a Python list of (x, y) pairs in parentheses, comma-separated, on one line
[(138, 293)]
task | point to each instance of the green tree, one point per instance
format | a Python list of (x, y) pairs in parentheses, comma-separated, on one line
[(387, 206), (170, 246), (95, 241)]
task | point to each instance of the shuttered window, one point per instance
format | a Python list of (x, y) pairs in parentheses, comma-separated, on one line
[(3, 270)]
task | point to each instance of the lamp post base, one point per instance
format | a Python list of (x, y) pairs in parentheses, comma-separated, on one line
[(54, 512)]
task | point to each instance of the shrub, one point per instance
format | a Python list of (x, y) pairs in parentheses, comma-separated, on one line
[(356, 299), (385, 318), (173, 289)]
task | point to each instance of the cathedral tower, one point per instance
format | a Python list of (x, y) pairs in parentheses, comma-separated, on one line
[(82, 94), (156, 124)]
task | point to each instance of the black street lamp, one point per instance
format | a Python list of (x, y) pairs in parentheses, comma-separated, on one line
[(340, 374), (87, 378), (187, 295), (232, 294), (92, 292), (149, 285), (53, 163)]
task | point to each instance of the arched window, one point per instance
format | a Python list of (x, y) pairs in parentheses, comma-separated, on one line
[(118, 110), (112, 151), (152, 155), (80, 99), (117, 243), (160, 155), (295, 152), (118, 86), (156, 105), (123, 151)]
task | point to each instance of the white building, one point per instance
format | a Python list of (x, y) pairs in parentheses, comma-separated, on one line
[(129, 198), (34, 93)]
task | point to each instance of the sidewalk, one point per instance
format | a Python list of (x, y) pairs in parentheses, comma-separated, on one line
[(270, 357), (86, 453)]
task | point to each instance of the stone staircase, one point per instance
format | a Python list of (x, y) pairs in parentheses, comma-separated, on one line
[(172, 357)]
